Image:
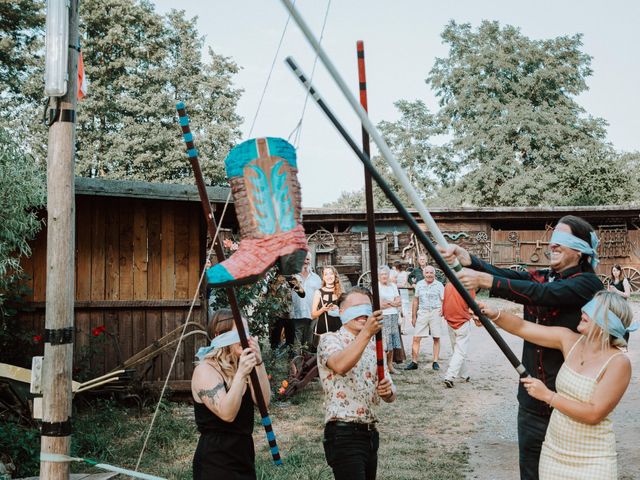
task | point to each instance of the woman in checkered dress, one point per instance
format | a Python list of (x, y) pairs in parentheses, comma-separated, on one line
[(580, 443)]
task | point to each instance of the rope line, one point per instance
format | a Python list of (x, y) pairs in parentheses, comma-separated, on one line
[(182, 334), (60, 458), (273, 64), (298, 128)]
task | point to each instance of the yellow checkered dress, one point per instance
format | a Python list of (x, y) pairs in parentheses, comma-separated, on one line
[(575, 450)]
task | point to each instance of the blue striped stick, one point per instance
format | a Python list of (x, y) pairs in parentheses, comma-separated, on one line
[(192, 153)]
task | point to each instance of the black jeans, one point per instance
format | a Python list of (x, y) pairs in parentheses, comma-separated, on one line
[(531, 431), (352, 454), (280, 324)]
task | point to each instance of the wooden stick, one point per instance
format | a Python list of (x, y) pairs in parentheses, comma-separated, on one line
[(371, 223), (231, 294)]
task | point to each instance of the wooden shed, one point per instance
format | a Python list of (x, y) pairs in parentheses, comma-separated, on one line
[(515, 237), (140, 250)]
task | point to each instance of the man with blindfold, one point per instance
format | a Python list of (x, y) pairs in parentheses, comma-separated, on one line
[(347, 368), (551, 297)]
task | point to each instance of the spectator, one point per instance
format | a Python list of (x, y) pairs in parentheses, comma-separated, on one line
[(302, 304), (426, 316), (389, 303), (456, 313)]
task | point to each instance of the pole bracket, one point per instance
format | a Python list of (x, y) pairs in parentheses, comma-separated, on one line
[(61, 115), (59, 336), (56, 429)]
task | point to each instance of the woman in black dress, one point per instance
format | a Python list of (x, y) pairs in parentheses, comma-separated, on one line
[(619, 283), (223, 402), (325, 303)]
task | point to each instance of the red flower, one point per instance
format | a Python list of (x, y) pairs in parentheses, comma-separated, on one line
[(341, 395), (37, 338), (96, 332)]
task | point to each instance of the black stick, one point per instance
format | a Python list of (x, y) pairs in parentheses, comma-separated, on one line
[(424, 239)]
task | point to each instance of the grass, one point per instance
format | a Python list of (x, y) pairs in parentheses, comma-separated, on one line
[(415, 437)]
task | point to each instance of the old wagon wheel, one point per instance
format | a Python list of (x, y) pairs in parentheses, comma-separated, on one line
[(364, 280), (322, 239), (513, 237), (633, 275), (605, 279), (518, 268)]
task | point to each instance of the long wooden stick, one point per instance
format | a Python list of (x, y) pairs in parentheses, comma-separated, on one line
[(377, 138), (371, 223), (231, 294), (411, 221)]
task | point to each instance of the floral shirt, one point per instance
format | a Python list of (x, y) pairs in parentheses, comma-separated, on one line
[(351, 397)]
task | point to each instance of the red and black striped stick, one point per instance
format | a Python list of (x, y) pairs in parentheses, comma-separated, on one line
[(192, 153), (371, 224)]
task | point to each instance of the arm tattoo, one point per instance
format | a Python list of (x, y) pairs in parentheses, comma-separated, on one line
[(211, 393)]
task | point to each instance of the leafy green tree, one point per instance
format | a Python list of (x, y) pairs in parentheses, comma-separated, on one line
[(140, 64), (22, 189), (518, 134)]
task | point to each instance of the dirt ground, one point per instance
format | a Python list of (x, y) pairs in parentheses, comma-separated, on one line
[(482, 413)]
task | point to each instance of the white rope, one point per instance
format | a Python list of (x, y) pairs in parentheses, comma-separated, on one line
[(60, 458), (298, 128), (273, 64), (182, 334)]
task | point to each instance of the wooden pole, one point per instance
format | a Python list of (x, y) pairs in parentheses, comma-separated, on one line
[(368, 195), (58, 350)]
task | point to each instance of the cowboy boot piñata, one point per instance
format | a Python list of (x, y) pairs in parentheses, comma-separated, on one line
[(266, 194)]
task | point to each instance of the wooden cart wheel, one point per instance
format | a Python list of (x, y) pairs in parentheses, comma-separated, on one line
[(633, 275), (364, 280), (604, 279)]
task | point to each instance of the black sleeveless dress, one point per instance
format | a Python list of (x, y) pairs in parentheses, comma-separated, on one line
[(327, 323), (225, 449), (619, 286)]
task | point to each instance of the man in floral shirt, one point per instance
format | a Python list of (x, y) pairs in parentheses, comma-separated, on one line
[(347, 367)]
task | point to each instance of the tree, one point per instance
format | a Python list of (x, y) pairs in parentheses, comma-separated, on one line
[(518, 134), (140, 64), (23, 190)]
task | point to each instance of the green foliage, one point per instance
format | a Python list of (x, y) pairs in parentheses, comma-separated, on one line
[(256, 301), (22, 445), (140, 64), (22, 189), (509, 131)]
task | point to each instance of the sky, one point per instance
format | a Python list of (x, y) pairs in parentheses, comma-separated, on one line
[(402, 41)]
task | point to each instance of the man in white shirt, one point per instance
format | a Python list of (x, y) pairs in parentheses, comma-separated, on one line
[(310, 282), (352, 392), (426, 316)]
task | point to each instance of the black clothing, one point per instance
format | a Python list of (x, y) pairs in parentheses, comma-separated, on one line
[(351, 451), (225, 449), (415, 276), (326, 322), (549, 298), (620, 286), (532, 429), (286, 324)]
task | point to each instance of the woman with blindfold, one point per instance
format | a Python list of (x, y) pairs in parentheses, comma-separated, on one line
[(580, 443), (223, 400), (551, 297)]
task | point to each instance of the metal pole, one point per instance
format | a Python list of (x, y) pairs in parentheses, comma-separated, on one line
[(420, 235), (58, 334), (377, 138), (371, 224), (231, 294)]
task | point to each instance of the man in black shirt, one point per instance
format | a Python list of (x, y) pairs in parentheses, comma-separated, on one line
[(550, 297)]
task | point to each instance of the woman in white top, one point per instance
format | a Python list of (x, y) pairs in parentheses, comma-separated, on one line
[(389, 303), (580, 443)]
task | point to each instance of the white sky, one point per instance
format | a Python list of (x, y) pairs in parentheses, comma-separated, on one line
[(402, 40)]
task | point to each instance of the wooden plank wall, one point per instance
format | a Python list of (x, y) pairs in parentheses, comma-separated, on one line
[(129, 250)]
